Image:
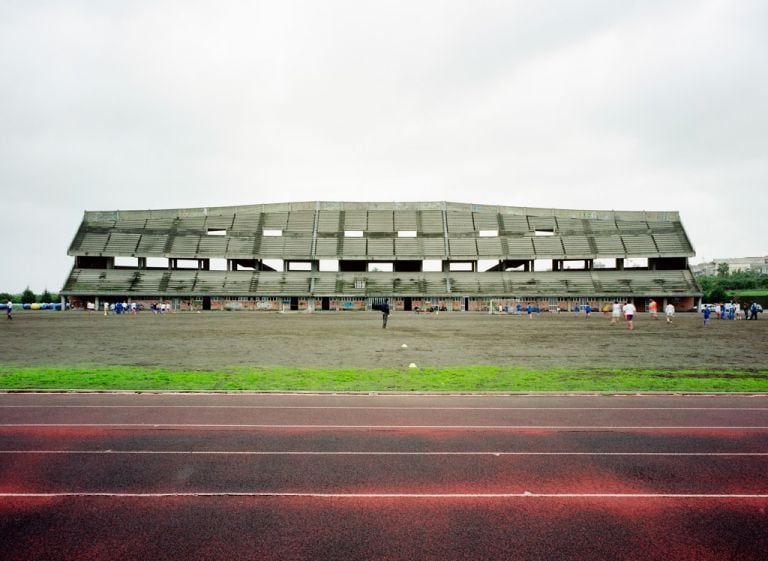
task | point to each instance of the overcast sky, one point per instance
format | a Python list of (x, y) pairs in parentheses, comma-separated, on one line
[(591, 104)]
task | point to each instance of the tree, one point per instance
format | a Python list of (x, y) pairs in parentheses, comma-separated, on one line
[(723, 269), (5, 297), (45, 297), (28, 297)]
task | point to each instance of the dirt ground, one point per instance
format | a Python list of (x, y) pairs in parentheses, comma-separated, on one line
[(213, 340)]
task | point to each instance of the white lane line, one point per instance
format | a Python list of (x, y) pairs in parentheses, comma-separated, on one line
[(377, 427), (373, 453), (523, 495), (379, 408)]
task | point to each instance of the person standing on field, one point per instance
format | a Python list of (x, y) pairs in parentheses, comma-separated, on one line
[(615, 312), (9, 310), (653, 309), (669, 311), (629, 314), (385, 313)]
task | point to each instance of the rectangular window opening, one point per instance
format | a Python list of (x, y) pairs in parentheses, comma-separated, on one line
[(217, 232), (540, 232), (132, 262), (380, 267), (353, 233), (489, 233), (273, 233), (406, 233)]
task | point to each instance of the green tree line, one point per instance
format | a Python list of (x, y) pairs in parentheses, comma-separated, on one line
[(722, 286), (29, 297)]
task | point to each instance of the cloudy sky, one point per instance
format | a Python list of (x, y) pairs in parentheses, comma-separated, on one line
[(595, 104)]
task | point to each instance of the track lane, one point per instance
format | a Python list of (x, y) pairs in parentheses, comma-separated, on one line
[(663, 502)]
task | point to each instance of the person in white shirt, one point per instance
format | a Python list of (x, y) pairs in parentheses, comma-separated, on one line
[(615, 312), (9, 309), (670, 312), (629, 314)]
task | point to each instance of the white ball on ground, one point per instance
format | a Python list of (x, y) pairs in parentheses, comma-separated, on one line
[(412, 365), (403, 346)]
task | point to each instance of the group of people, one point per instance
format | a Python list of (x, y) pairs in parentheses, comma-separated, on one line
[(731, 311), (629, 311)]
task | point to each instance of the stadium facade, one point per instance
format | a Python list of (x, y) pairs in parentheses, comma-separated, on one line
[(317, 256)]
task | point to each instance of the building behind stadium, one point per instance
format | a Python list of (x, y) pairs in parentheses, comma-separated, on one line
[(314, 256)]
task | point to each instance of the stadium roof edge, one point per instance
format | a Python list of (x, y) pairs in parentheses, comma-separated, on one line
[(604, 214)]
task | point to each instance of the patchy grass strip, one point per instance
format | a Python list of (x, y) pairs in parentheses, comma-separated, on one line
[(454, 379)]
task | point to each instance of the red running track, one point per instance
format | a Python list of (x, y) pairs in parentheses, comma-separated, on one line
[(153, 476)]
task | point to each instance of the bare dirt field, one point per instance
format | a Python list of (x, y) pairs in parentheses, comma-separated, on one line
[(214, 340)]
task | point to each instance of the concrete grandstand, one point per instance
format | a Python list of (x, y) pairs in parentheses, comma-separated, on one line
[(315, 256)]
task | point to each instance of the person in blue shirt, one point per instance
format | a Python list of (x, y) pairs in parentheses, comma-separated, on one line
[(587, 310), (529, 309), (707, 312)]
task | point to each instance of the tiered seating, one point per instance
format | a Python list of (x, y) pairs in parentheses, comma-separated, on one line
[(238, 282), (408, 247), (272, 246), (301, 221), (328, 221), (542, 223), (489, 247), (148, 281), (672, 243), (219, 222), (548, 246), (185, 246), (162, 223), (459, 222), (152, 245), (406, 285), (190, 224), (378, 283), (520, 247), (93, 243), (275, 220), (182, 281), (381, 221), (431, 222), (639, 244), (325, 283), (485, 221), (240, 246), (326, 247), (213, 246), (515, 224), (355, 220), (130, 221), (609, 244), (381, 247), (211, 282), (406, 220), (570, 226), (353, 247), (632, 226), (298, 247), (463, 247), (577, 246), (246, 222), (120, 243)]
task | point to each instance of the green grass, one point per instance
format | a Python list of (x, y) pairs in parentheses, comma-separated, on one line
[(457, 379), (749, 293)]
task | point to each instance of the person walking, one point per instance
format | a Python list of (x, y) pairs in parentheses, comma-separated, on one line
[(9, 310), (653, 309), (384, 313), (629, 314), (615, 312), (707, 312), (669, 311)]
